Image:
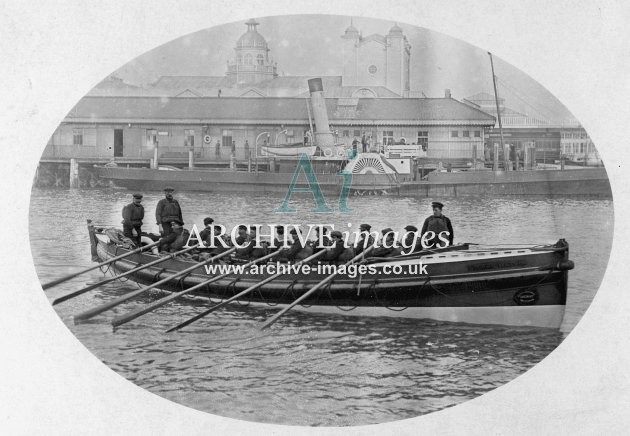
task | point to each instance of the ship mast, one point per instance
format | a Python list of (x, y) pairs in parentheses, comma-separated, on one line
[(496, 99)]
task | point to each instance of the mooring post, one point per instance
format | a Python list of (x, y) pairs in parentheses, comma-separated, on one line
[(191, 159), (74, 173), (233, 162), (495, 163), (272, 164), (155, 158), (474, 157)]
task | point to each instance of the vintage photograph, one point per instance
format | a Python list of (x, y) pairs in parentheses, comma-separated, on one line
[(320, 220)]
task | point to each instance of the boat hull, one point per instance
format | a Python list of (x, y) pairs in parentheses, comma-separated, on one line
[(513, 287), (238, 181), (582, 182)]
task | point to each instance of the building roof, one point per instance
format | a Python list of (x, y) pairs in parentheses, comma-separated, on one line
[(483, 97), (394, 111)]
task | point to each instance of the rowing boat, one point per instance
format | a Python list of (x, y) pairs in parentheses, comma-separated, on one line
[(509, 286)]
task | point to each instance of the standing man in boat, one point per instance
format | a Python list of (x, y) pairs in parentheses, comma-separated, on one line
[(167, 210), (437, 223), (133, 214)]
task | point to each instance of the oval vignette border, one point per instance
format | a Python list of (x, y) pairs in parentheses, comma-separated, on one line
[(570, 342)]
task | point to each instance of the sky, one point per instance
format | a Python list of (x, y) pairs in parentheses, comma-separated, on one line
[(310, 45)]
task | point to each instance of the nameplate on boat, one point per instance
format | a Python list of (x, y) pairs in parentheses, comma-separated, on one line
[(504, 264)]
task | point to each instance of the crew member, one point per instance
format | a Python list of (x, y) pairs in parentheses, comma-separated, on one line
[(437, 223), (133, 214), (409, 246), (367, 239), (297, 249), (324, 236), (167, 210), (206, 233), (176, 239), (336, 250), (386, 247)]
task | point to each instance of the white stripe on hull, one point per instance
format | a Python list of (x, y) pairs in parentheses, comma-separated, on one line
[(534, 316)]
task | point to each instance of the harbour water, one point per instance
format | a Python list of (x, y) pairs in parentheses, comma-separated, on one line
[(315, 369)]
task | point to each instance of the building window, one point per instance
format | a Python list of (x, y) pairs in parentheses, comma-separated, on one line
[(477, 133), (189, 138), (226, 138), (466, 133), (388, 137), (372, 69), (357, 133), (239, 59), (454, 134), (248, 59), (345, 133), (260, 59), (423, 139), (77, 136)]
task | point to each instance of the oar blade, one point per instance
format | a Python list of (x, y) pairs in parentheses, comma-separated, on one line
[(239, 295), (304, 296)]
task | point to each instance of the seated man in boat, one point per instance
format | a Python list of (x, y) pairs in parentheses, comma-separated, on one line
[(337, 251), (438, 224), (251, 251), (208, 241), (386, 247), (133, 214), (367, 239), (176, 240), (411, 243), (297, 251), (278, 241), (326, 239)]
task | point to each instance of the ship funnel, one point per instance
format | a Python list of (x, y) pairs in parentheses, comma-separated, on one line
[(323, 135)]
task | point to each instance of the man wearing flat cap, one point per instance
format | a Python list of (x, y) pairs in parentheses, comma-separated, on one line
[(176, 239), (133, 214), (334, 253), (386, 247), (167, 210), (437, 223), (297, 249), (367, 238), (411, 243)]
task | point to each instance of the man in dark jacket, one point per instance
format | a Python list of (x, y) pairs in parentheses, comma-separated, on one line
[(176, 239), (167, 210), (290, 254), (133, 214), (437, 223), (409, 246), (337, 248), (386, 247), (367, 239)]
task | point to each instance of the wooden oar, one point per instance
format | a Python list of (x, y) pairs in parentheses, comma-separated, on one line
[(123, 319), (107, 262), (102, 308), (313, 289), (126, 273), (241, 294)]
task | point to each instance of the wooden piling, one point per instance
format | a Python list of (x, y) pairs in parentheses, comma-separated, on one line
[(74, 173)]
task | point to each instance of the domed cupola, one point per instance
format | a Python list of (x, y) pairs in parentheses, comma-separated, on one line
[(251, 38), (251, 63)]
